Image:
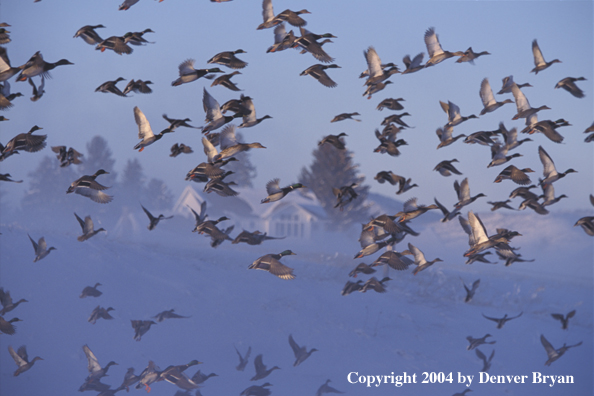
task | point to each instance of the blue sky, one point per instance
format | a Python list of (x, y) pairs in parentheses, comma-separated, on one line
[(71, 113)]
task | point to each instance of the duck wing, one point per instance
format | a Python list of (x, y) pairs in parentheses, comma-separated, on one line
[(479, 233), (273, 186), (150, 216), (186, 67), (486, 93), (209, 149), (432, 43), (16, 356), (81, 222), (548, 164), (520, 99), (374, 63), (537, 53), (228, 138), (551, 352), (35, 246), (297, 350), (211, 107), (418, 255), (94, 365), (144, 128)]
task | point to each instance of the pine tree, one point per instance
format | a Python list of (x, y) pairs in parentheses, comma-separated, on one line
[(47, 189), (158, 194), (132, 185), (99, 156), (334, 168)]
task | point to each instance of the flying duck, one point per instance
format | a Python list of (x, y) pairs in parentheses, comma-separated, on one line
[(169, 314), (318, 72), (243, 360), (41, 249), (276, 193), (187, 73), (470, 292), (87, 228), (261, 371), (436, 53), (140, 328), (229, 59), (300, 352), (21, 358), (539, 63), (98, 313), (392, 104), (7, 303), (419, 257), (564, 319), (474, 342), (445, 168), (271, 263), (36, 66), (469, 56), (88, 34), (501, 321), (96, 372), (552, 353), (91, 291), (225, 81), (550, 173), (88, 187), (154, 220), (488, 99)]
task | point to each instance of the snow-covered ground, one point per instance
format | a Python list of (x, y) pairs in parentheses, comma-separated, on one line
[(419, 325)]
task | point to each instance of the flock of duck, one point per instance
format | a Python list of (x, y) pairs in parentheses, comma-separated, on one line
[(381, 233)]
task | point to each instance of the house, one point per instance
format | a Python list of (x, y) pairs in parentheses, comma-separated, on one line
[(295, 216)]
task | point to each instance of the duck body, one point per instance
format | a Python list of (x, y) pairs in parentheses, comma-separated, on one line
[(153, 221), (552, 353), (140, 328), (37, 66), (488, 99), (469, 56), (276, 193), (88, 187), (261, 371), (88, 34), (25, 142), (138, 86), (22, 359), (145, 131), (539, 63), (334, 140), (115, 43), (87, 228), (300, 352), (110, 87), (228, 58), (41, 249), (568, 84), (91, 291), (474, 342), (100, 313), (7, 304), (318, 72), (271, 263), (187, 73), (436, 53)]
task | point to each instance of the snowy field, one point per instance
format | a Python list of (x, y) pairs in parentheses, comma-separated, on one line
[(419, 325)]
